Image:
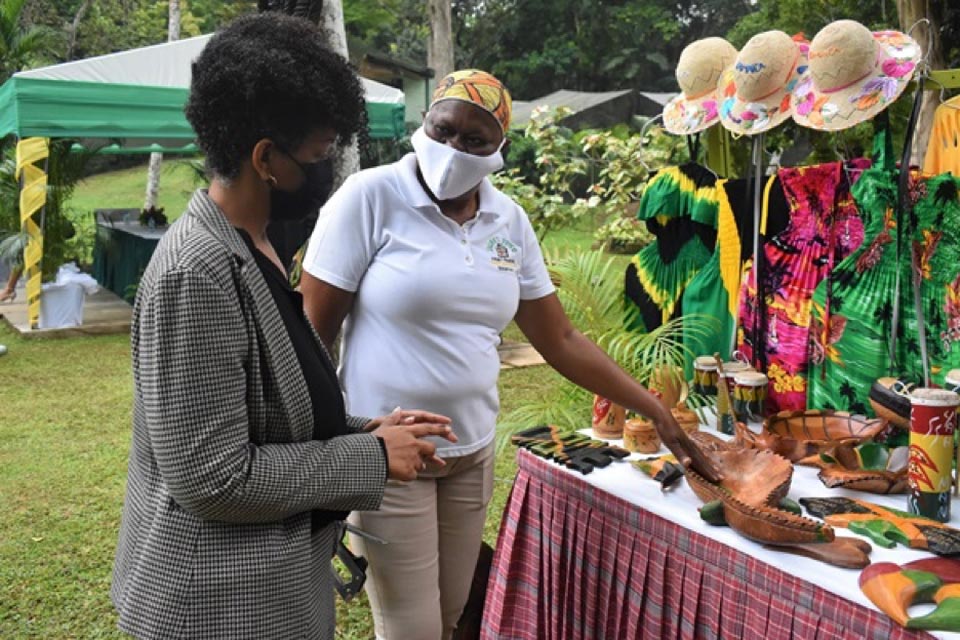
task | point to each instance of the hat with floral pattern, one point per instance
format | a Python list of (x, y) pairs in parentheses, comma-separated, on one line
[(853, 75), (755, 92), (698, 71)]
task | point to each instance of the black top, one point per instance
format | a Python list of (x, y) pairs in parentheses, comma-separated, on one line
[(329, 414)]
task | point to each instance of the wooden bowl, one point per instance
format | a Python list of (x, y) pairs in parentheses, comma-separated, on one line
[(801, 436)]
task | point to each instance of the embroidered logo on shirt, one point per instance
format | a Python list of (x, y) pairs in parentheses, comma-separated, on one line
[(503, 253)]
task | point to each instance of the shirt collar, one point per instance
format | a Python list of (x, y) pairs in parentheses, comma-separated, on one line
[(417, 197)]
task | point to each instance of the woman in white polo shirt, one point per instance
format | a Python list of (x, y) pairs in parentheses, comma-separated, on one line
[(428, 262)]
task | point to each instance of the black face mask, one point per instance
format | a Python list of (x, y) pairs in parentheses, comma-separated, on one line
[(308, 198)]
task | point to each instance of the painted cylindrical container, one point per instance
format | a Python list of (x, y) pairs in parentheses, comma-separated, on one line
[(730, 369), (933, 419), (705, 376), (608, 418), (749, 395)]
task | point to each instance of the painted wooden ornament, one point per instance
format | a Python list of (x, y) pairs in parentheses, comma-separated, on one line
[(572, 450), (608, 418), (895, 588), (870, 467), (886, 527), (640, 436)]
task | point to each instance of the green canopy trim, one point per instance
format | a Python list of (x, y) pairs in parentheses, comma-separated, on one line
[(44, 108), (118, 150)]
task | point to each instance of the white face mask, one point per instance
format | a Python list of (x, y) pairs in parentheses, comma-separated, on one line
[(450, 173)]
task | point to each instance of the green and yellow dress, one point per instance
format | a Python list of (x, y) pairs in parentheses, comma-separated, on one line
[(679, 207)]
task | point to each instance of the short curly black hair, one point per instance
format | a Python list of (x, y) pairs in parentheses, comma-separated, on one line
[(270, 76)]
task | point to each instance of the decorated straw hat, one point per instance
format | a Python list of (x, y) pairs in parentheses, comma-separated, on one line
[(854, 75), (698, 71), (755, 91)]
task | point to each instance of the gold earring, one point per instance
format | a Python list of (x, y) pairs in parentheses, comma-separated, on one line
[(272, 181)]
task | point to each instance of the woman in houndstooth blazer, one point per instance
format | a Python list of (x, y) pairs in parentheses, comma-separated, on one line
[(243, 459)]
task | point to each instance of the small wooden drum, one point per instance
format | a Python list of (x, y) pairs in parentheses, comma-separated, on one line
[(705, 376), (730, 369), (749, 395)]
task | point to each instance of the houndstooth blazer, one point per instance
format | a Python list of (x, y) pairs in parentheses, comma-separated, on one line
[(215, 539)]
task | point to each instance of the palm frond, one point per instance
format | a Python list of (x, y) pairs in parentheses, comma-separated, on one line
[(12, 246), (702, 405)]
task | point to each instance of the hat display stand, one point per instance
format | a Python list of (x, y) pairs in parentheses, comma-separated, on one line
[(830, 67)]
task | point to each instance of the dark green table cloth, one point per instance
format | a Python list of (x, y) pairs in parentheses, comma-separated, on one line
[(121, 253)]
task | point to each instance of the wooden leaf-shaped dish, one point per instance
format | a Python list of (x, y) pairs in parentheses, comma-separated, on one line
[(754, 482), (801, 436)]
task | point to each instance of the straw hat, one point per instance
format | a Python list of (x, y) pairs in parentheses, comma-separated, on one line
[(755, 91), (698, 71), (853, 75)]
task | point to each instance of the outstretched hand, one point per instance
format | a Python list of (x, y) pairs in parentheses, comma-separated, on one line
[(402, 432), (686, 450)]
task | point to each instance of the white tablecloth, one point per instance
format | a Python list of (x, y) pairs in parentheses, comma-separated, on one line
[(680, 504)]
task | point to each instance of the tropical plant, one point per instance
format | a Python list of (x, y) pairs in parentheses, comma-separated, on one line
[(622, 234), (591, 291), (21, 45), (61, 242)]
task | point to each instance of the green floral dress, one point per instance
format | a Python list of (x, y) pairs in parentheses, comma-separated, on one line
[(850, 341)]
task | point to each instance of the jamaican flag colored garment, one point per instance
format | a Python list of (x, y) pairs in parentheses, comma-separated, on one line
[(849, 347), (715, 290), (679, 206), (935, 241), (824, 228)]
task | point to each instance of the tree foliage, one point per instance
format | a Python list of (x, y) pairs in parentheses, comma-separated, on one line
[(538, 46), (21, 43)]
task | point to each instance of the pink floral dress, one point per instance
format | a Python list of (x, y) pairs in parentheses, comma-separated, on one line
[(824, 228)]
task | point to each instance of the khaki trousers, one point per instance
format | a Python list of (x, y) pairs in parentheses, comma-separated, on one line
[(419, 581)]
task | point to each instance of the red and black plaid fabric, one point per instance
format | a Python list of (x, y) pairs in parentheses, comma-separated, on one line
[(573, 562)]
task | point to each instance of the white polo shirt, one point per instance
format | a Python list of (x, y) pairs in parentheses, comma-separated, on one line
[(431, 299)]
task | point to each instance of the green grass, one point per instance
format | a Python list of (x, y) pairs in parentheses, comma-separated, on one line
[(65, 411), (125, 189)]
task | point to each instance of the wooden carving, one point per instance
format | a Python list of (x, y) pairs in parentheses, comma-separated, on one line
[(752, 500), (749, 495), (572, 450), (895, 588), (851, 468), (801, 436), (890, 400), (688, 420), (640, 436), (885, 526)]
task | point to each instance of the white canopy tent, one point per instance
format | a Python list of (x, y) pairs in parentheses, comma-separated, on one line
[(162, 65)]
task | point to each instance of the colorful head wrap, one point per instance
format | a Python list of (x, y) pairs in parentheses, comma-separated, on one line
[(479, 88)]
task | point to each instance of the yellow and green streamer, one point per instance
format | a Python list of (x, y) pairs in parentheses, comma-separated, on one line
[(31, 154)]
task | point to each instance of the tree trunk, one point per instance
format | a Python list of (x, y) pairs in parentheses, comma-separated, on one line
[(928, 37), (156, 159), (73, 27), (347, 161), (440, 45)]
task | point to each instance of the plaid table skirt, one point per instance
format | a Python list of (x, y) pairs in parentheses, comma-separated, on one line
[(573, 562)]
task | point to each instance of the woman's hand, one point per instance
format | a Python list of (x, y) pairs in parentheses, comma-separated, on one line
[(686, 450), (402, 432)]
